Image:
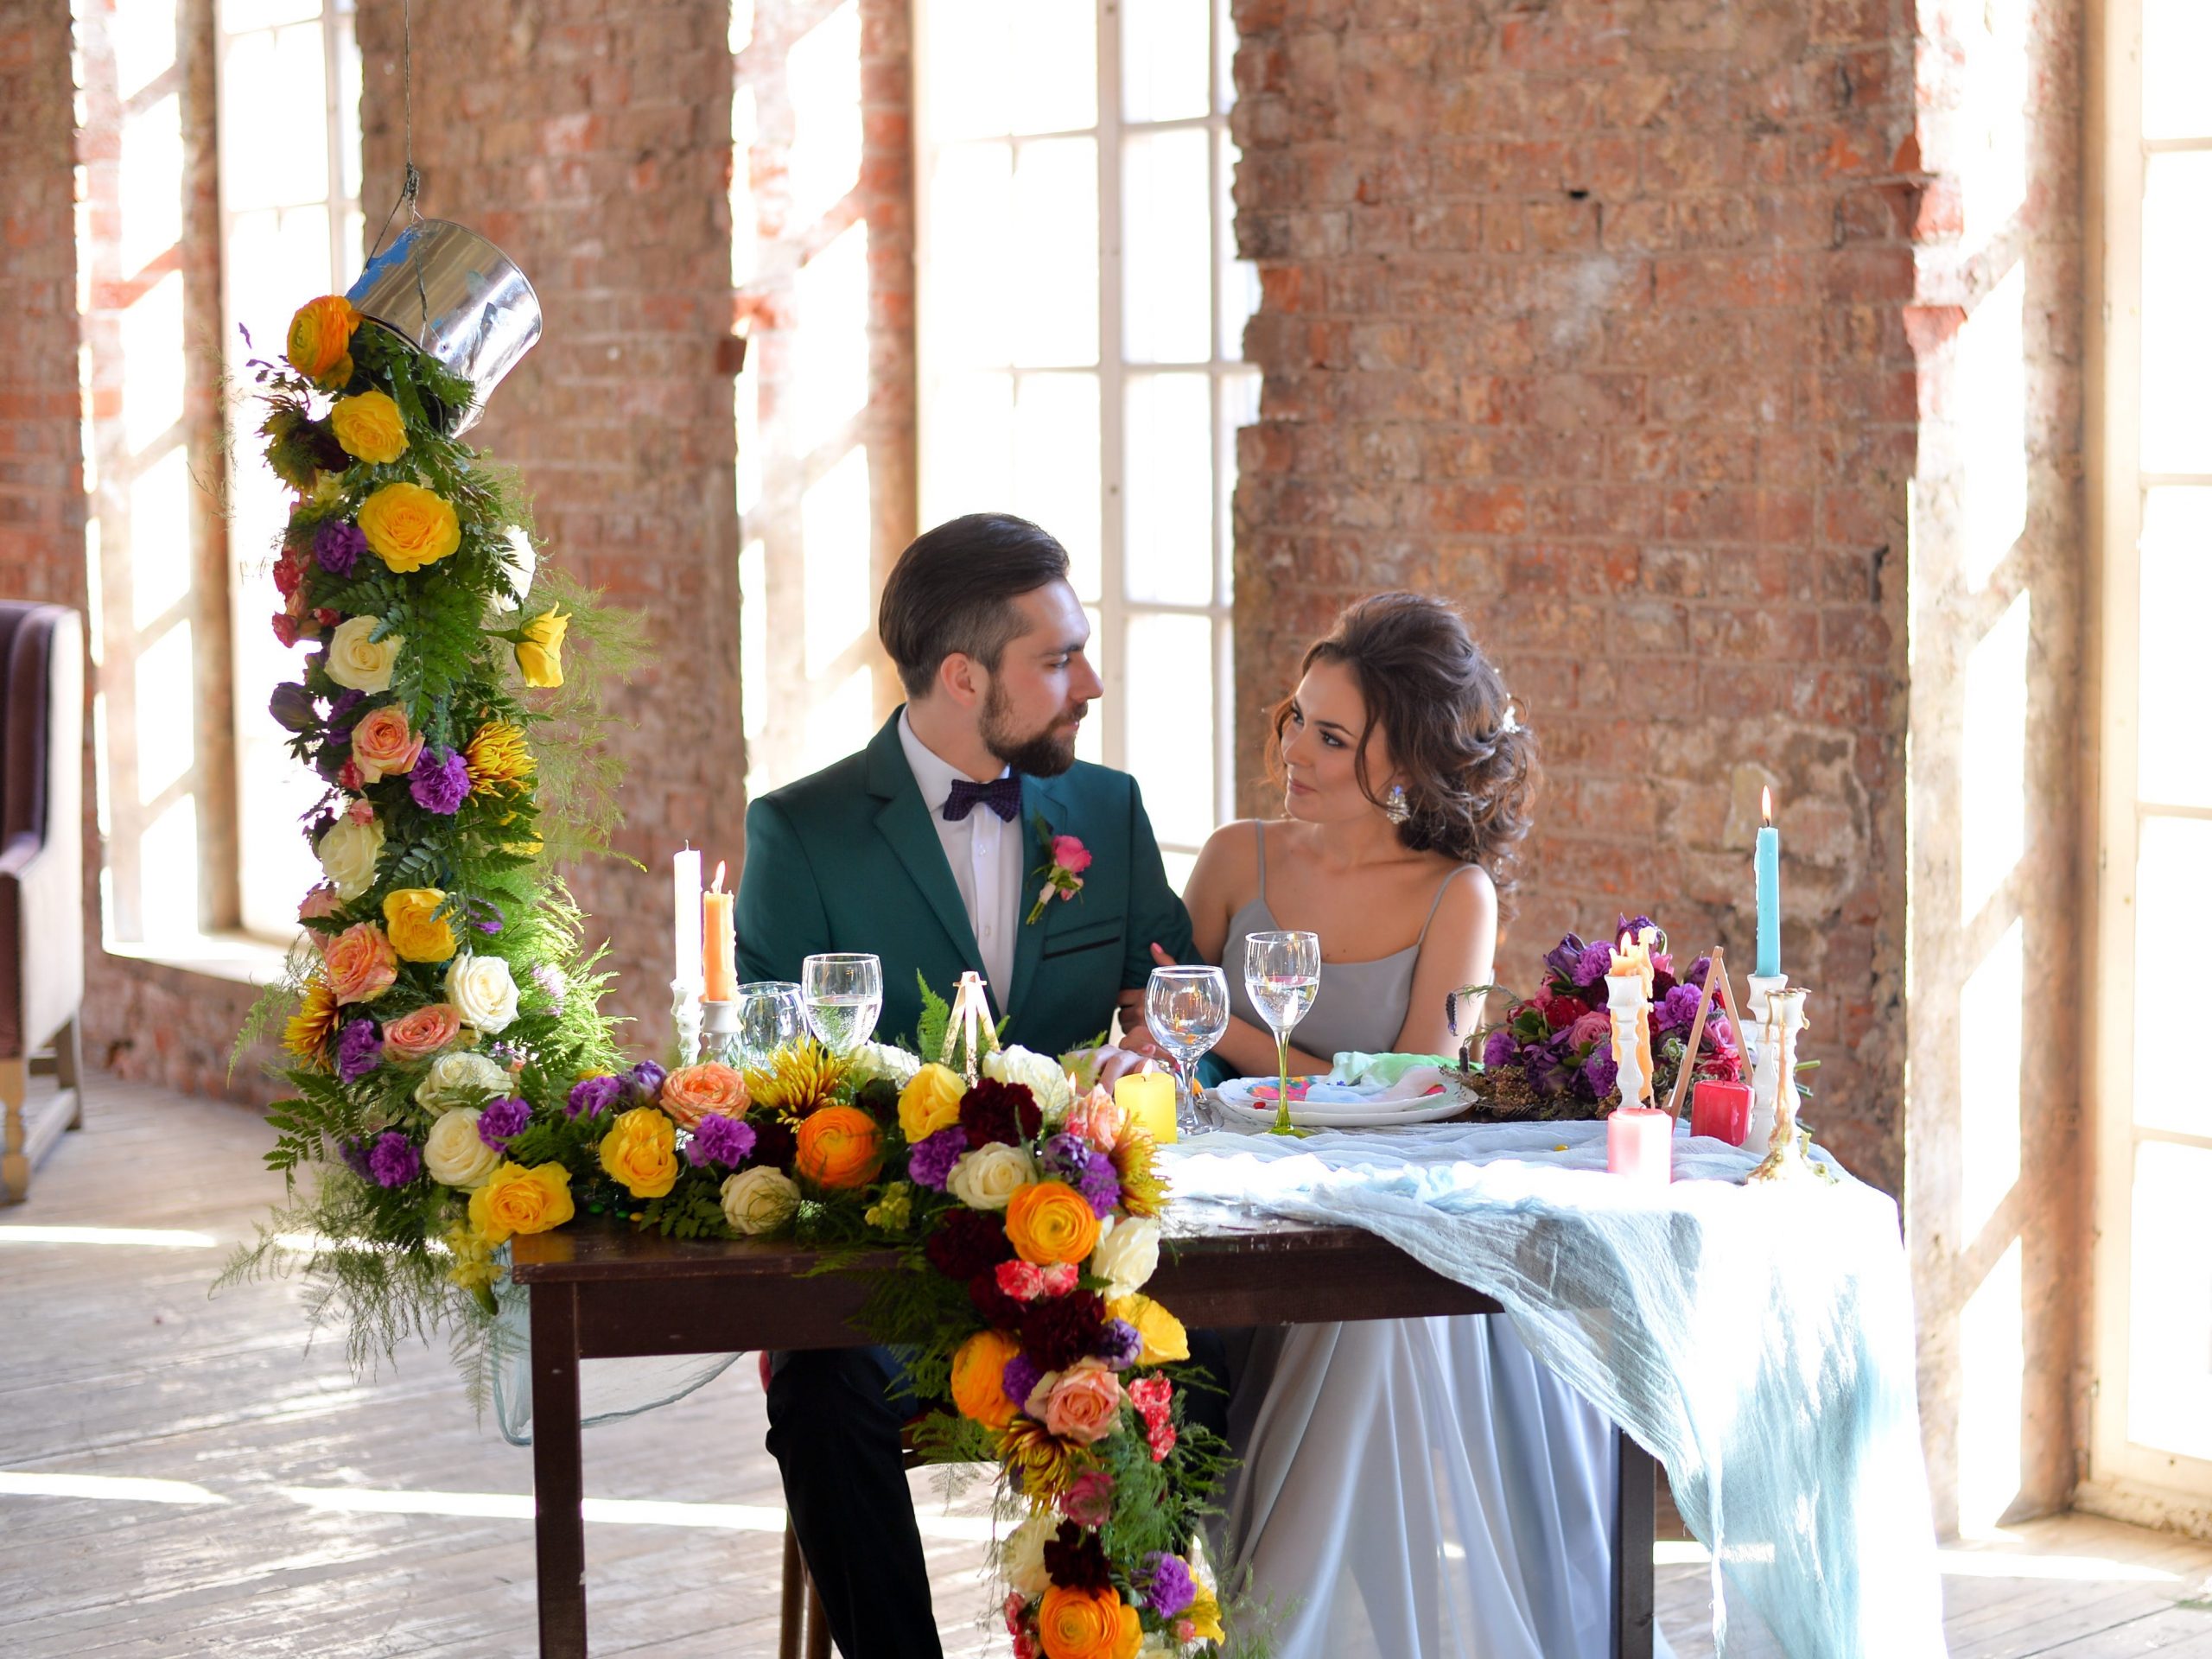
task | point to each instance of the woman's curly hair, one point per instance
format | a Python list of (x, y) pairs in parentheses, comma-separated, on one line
[(1468, 767)]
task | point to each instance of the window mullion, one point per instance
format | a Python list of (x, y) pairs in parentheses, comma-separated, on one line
[(1112, 448)]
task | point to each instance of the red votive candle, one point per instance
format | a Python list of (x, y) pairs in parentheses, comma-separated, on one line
[(1722, 1110), (1640, 1144)]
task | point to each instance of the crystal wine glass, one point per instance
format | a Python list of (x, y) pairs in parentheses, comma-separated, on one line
[(771, 1014), (843, 996), (1187, 1010), (1282, 974)]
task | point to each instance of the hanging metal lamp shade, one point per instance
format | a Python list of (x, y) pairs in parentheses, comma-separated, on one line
[(452, 296)]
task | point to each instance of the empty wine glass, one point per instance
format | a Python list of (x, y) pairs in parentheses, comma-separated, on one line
[(1282, 974), (843, 995), (770, 1013), (1187, 1010)]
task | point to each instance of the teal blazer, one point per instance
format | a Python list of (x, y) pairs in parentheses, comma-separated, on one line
[(848, 859)]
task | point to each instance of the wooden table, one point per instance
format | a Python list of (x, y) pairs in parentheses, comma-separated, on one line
[(604, 1293)]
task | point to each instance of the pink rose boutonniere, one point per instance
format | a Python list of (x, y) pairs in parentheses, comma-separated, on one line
[(1065, 860)]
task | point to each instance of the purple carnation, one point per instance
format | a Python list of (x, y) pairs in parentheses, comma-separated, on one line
[(1699, 970), (337, 545), (1065, 1155), (646, 1079), (1499, 1048), (1597, 962), (355, 1152), (393, 1161), (1601, 1073), (1165, 1582), (501, 1121), (1548, 1067), (1021, 1377), (440, 785), (592, 1095), (1677, 1009), (719, 1140), (1563, 957), (1099, 1184), (930, 1162), (360, 1049), (1119, 1344)]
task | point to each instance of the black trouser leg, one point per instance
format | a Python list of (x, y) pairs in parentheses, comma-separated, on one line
[(1209, 1406), (836, 1436)]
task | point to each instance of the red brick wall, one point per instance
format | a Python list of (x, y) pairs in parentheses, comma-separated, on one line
[(592, 144), (1590, 316)]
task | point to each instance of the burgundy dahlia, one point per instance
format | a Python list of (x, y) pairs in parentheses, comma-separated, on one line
[(999, 1311), (968, 1242), (1059, 1331), (1076, 1560), (1000, 1111)]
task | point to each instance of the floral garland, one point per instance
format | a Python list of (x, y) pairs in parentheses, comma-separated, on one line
[(453, 1083)]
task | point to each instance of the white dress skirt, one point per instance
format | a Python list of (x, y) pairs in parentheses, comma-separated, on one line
[(1419, 1489)]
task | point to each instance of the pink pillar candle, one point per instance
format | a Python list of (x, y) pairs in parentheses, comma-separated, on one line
[(1722, 1110), (1640, 1144)]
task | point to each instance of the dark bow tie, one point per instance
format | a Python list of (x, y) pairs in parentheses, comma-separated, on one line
[(1001, 795)]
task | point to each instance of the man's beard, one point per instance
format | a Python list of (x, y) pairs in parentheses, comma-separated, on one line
[(1039, 755)]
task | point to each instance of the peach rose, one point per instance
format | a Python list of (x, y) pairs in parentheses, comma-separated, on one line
[(421, 1033), (1084, 1403), (360, 964), (323, 902), (690, 1093), (1048, 1222), (382, 745), (839, 1146)]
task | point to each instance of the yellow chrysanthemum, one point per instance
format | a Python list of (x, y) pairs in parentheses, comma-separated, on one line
[(1044, 1462), (797, 1081), (499, 757), (1143, 1193), (307, 1033)]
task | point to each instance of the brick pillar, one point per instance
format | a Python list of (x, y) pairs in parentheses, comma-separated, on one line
[(592, 144)]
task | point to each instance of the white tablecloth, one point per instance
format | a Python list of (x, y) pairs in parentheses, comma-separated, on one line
[(1758, 1338)]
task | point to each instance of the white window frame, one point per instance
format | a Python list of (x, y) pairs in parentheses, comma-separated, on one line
[(2125, 1477), (1113, 373)]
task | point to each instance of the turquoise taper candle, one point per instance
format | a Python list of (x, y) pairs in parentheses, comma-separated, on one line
[(1766, 867)]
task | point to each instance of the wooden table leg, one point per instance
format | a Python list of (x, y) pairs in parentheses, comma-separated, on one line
[(1636, 1493), (556, 1453)]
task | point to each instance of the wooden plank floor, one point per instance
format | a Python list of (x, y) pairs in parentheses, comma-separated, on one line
[(180, 1476)]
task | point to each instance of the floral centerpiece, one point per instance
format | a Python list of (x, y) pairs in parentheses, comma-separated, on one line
[(1551, 1057), (452, 1083)]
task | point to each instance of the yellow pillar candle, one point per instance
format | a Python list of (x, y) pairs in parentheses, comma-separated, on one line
[(1149, 1099), (721, 941)]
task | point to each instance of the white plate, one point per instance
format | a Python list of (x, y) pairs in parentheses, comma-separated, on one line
[(1236, 1100)]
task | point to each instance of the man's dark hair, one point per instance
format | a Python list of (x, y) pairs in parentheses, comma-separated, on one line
[(953, 590)]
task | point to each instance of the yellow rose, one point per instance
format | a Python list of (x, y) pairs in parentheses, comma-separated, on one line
[(1048, 1222), (409, 526), (639, 1152), (368, 427), (520, 1200), (1162, 1334), (538, 655), (929, 1103), (319, 342), (411, 922), (979, 1378)]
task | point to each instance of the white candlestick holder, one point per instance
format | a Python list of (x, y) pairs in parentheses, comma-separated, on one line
[(1777, 1094), (1628, 1005), (684, 1006), (1759, 1052)]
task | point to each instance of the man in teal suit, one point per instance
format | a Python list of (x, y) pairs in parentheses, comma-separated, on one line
[(930, 848)]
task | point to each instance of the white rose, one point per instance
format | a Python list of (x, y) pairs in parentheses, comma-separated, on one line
[(1022, 1557), (759, 1200), (455, 1154), (358, 662), (483, 989), (873, 1060), (988, 1177), (459, 1076), (1040, 1073), (349, 852), (1126, 1255)]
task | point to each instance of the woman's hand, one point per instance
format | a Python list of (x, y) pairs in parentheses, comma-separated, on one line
[(1160, 958)]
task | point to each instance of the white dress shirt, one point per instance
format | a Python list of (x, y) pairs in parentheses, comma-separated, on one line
[(985, 852)]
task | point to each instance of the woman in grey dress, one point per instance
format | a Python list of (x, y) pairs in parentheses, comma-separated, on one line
[(1416, 1488)]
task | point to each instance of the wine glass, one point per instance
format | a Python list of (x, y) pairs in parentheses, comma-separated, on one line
[(770, 1013), (1282, 974), (1187, 1010), (843, 995)]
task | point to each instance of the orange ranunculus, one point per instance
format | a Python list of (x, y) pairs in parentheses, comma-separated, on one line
[(839, 1146), (1081, 1625), (319, 342), (360, 964), (1048, 1222), (639, 1152), (979, 1377), (689, 1094), (422, 1033)]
